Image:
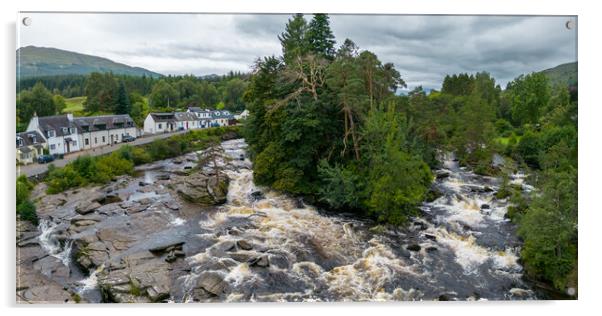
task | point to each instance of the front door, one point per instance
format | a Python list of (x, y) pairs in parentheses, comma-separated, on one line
[(112, 139), (67, 145)]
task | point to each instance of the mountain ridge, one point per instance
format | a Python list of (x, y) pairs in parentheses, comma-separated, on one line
[(34, 61)]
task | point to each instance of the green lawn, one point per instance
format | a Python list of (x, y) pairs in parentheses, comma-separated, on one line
[(75, 104)]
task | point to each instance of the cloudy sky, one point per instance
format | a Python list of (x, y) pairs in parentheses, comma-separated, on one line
[(423, 48)]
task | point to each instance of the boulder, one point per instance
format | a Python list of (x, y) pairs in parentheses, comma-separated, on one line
[(260, 261), (431, 237), (243, 244), (212, 282), (166, 247), (485, 207), (203, 189), (257, 195), (86, 207), (413, 247)]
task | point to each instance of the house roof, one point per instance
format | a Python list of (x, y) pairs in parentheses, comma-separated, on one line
[(56, 123), (221, 114), (163, 117), (185, 116), (28, 138), (108, 121)]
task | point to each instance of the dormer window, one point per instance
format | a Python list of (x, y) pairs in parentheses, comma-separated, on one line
[(72, 130), (65, 130), (19, 142), (51, 133)]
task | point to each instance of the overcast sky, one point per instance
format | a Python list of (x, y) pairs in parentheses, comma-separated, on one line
[(423, 48)]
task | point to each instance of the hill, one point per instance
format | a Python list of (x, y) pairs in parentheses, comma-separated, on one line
[(35, 61), (565, 74)]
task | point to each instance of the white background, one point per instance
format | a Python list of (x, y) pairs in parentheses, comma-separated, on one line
[(590, 134)]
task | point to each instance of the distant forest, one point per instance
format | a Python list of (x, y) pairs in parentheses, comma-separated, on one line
[(105, 93)]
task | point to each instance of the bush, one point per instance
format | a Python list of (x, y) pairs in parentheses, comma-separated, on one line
[(27, 211), (85, 169)]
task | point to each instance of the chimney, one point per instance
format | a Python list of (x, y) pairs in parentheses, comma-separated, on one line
[(70, 117), (33, 123)]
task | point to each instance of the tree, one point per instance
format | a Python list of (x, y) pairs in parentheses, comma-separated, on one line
[(163, 95), (122, 105), (59, 103), (207, 95), (529, 96), (320, 39), (37, 100), (232, 94), (293, 40), (101, 92)]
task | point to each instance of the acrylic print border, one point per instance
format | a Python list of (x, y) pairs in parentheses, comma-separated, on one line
[(238, 246)]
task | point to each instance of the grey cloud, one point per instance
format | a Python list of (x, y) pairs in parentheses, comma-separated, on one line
[(423, 48)]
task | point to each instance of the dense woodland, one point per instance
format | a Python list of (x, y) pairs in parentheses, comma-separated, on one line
[(106, 93), (326, 123)]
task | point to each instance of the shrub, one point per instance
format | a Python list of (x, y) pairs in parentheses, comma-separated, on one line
[(27, 211)]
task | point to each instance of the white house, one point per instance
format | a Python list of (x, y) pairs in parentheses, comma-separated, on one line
[(30, 145), (96, 131), (186, 121), (221, 118), (203, 116), (59, 132), (243, 115), (156, 123)]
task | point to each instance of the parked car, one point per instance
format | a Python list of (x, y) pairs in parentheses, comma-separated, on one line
[(128, 138), (45, 159)]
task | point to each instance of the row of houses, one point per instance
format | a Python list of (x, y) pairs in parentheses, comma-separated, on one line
[(63, 134), (193, 118)]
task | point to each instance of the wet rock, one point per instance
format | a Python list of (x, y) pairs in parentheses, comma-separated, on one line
[(213, 283), (485, 207), (172, 205), (413, 247), (166, 247), (420, 225), (441, 174), (163, 177), (187, 167), (243, 244), (142, 183), (257, 195), (178, 161), (137, 208), (86, 207), (299, 203), (443, 297), (431, 237), (205, 190), (279, 261), (261, 261), (242, 256), (431, 249)]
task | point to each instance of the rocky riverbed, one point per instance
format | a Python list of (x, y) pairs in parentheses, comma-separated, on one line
[(186, 233)]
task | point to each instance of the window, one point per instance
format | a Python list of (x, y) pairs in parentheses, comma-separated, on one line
[(19, 142), (51, 133), (95, 140), (65, 130), (86, 141), (160, 126), (104, 139), (72, 130), (53, 147), (74, 143)]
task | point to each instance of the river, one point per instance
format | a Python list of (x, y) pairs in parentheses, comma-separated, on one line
[(262, 245)]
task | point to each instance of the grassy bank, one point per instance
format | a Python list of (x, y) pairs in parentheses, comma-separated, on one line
[(87, 170)]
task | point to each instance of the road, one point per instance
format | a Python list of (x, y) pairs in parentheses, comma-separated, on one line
[(36, 168)]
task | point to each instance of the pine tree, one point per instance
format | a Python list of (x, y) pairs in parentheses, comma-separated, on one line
[(122, 105), (293, 38), (320, 38)]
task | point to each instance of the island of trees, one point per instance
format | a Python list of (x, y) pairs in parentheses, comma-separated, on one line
[(328, 124)]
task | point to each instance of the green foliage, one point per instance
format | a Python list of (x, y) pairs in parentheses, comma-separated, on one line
[(529, 96), (293, 40), (319, 37), (164, 95), (123, 105), (25, 208), (27, 211), (101, 169), (549, 228), (38, 101)]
